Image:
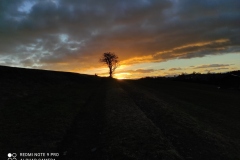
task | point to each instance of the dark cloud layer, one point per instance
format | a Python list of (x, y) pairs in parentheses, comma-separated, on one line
[(61, 34)]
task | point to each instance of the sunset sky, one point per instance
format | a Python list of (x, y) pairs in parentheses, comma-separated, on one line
[(150, 37)]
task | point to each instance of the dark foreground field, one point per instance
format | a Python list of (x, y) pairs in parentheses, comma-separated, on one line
[(87, 117)]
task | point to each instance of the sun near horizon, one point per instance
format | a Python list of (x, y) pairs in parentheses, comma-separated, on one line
[(151, 38)]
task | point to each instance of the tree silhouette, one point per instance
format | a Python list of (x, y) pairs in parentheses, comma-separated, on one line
[(111, 60)]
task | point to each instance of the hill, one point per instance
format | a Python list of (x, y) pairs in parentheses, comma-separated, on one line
[(38, 107), (87, 117)]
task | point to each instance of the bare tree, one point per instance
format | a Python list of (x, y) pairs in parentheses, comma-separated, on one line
[(111, 60)]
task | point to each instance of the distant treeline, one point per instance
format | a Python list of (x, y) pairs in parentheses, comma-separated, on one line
[(230, 80)]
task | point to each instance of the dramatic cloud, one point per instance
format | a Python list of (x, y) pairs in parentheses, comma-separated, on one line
[(72, 34), (213, 66)]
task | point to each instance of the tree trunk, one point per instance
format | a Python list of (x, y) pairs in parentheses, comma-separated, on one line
[(110, 72)]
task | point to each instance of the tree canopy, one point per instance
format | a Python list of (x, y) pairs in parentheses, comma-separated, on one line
[(111, 60)]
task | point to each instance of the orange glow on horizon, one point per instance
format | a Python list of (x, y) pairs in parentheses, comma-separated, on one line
[(124, 75)]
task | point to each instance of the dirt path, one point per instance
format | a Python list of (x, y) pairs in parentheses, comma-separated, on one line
[(129, 134)]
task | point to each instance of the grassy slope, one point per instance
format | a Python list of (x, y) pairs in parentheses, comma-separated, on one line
[(214, 112), (43, 111), (214, 107), (38, 107)]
